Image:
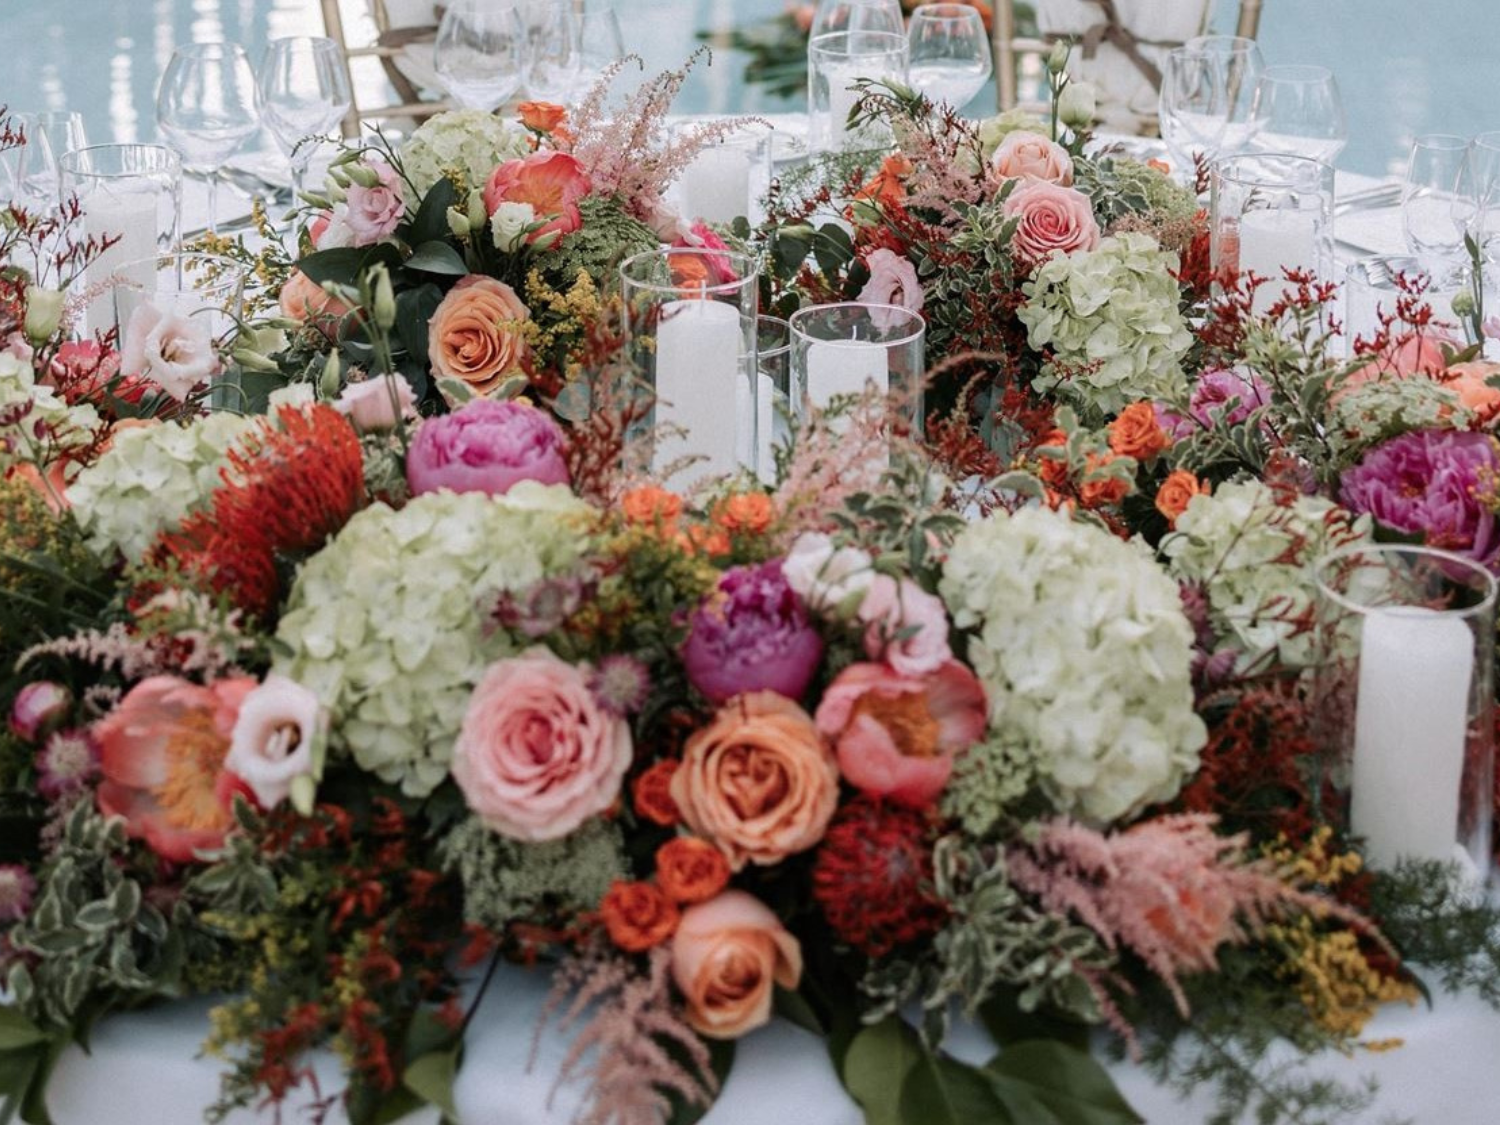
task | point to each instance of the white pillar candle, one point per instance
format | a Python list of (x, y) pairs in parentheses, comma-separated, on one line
[(845, 367), (130, 217), (766, 412), (715, 187), (1272, 241), (700, 348), (1410, 733)]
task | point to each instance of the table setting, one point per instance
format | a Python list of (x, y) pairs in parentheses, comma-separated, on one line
[(572, 610)]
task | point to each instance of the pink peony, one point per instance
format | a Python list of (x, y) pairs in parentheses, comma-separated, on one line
[(751, 634), (1031, 156), (39, 709), (893, 281), (1053, 220), (175, 352), (538, 755), (486, 447), (374, 403), (373, 213), (896, 735), (279, 724), (552, 182), (905, 626)]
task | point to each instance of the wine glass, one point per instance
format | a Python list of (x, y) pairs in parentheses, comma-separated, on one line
[(553, 43), (857, 15), (28, 171), (1437, 203), (601, 44), (1240, 68), (479, 52), (304, 93), (1484, 166), (1297, 109), (949, 53), (205, 108), (1193, 111)]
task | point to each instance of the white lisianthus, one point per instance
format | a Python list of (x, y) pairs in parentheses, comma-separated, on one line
[(277, 738), (826, 577), (509, 223), (1084, 652), (463, 145)]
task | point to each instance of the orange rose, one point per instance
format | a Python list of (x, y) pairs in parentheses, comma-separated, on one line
[(726, 956), (1053, 470), (475, 334), (699, 540), (637, 916), (1136, 433), (653, 795), (1102, 491), (541, 116), (305, 301), (745, 513), (653, 507), (1176, 491), (757, 781), (1470, 381), (690, 870), (886, 187)]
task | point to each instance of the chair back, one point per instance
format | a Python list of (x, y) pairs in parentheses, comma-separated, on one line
[(404, 34)]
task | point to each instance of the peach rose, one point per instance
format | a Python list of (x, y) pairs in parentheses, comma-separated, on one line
[(1031, 156), (726, 956), (1136, 432), (1054, 220), (307, 302), (758, 780), (1176, 492), (475, 334), (551, 182), (1470, 381)]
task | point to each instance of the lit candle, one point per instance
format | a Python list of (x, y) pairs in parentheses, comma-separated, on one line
[(1272, 241), (1410, 733), (700, 348), (715, 187), (130, 217)]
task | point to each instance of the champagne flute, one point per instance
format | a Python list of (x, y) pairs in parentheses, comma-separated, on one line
[(1193, 110), (1297, 109), (949, 53), (1241, 66), (553, 42), (1437, 204), (205, 108), (304, 93), (479, 52)]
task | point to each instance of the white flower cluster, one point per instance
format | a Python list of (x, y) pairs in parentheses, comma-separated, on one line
[(67, 426), (1253, 554), (387, 625), (1082, 646), (1112, 319), (150, 479), (464, 145)]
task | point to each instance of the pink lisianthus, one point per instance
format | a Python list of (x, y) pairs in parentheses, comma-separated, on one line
[(538, 755), (175, 352), (38, 709), (1031, 156), (552, 182), (486, 446), (162, 751), (751, 634), (376, 404), (1054, 220), (893, 281), (905, 626), (896, 735), (278, 726), (373, 213)]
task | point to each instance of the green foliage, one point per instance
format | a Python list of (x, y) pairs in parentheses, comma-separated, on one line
[(988, 781), (1437, 921), (608, 236)]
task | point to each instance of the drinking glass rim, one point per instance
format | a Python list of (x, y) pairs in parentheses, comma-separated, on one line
[(1442, 142), (1242, 44), (821, 44), (796, 320), (1221, 166), (222, 48), (957, 12), (319, 43), (67, 161), (723, 288), (1386, 550), (1294, 72), (240, 271)]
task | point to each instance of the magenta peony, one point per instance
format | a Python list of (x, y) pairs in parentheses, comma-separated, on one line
[(486, 447), (752, 634), (1209, 407)]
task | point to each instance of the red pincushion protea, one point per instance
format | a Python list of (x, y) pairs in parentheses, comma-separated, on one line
[(873, 877), (284, 492)]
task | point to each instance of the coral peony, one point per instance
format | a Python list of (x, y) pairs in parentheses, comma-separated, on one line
[(752, 634), (1054, 220), (1471, 382), (486, 447), (551, 182), (726, 956), (475, 334)]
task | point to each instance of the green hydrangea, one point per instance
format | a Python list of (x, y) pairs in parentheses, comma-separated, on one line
[(69, 426), (150, 479), (1083, 648), (1251, 551), (993, 130), (1112, 322), (464, 145), (387, 624)]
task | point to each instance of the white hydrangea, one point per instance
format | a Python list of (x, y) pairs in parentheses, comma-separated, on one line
[(1081, 643), (387, 624), (1112, 319), (150, 479), (67, 426), (1253, 552), (466, 143)]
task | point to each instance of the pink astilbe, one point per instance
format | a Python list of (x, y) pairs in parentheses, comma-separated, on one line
[(633, 1019), (1169, 889)]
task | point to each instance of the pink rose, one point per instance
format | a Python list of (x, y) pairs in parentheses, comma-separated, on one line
[(893, 281), (552, 182), (375, 404), (375, 212), (1031, 156), (905, 626), (274, 734), (1053, 220), (896, 735), (538, 755), (727, 954), (486, 446), (38, 709), (175, 352)]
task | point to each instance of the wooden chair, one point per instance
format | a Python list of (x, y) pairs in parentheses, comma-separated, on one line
[(400, 26), (1106, 49)]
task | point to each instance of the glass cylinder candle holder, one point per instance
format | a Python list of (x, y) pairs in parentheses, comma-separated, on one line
[(1404, 706), (133, 194), (729, 178), (851, 349), (691, 338), (835, 62), (773, 419), (1268, 213)]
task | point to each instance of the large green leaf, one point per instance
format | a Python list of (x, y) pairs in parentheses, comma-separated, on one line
[(793, 1006), (414, 308), (345, 264), (432, 217), (437, 257), (1007, 1023), (431, 1077), (943, 1091), (876, 1067), (18, 1031), (1045, 1082)]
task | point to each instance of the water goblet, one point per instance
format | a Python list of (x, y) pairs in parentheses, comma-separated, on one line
[(205, 108), (304, 92), (949, 53), (480, 51)]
